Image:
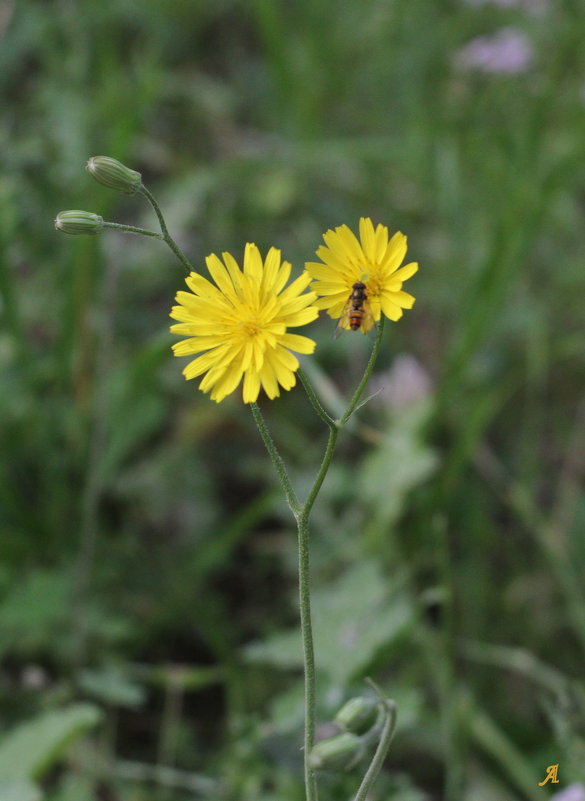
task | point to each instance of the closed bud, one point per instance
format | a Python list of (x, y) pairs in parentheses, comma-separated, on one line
[(113, 174), (337, 753), (75, 221), (358, 715)]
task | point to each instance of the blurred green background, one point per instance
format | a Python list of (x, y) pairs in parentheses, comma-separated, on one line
[(148, 645)]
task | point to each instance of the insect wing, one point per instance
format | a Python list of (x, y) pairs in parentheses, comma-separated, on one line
[(343, 322), (368, 321)]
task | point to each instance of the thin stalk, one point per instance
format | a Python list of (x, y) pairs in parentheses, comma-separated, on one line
[(301, 514), (92, 490), (389, 708), (132, 229), (325, 464), (308, 653), (449, 695), (316, 403), (366, 376), (277, 461), (165, 231)]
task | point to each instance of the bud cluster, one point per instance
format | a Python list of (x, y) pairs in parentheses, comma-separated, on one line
[(111, 173), (355, 720)]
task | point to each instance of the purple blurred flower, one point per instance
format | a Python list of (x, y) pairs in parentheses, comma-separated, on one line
[(532, 6), (508, 51), (404, 385), (574, 792)]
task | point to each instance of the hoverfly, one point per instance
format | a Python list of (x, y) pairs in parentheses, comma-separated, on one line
[(356, 314)]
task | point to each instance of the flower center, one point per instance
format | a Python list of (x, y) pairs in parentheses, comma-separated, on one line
[(250, 328), (373, 285)]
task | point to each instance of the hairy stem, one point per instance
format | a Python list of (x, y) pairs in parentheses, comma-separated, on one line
[(132, 229), (277, 461), (302, 513), (308, 653), (389, 708), (165, 231)]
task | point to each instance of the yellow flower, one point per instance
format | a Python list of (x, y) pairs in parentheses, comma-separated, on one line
[(241, 324), (372, 260)]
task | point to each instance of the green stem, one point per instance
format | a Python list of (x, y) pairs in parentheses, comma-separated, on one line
[(325, 464), (317, 405), (382, 749), (132, 229), (308, 653), (301, 514), (165, 231), (366, 376), (277, 461), (450, 700)]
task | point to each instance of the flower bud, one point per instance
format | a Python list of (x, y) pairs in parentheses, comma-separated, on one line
[(337, 753), (114, 174), (75, 221), (358, 715)]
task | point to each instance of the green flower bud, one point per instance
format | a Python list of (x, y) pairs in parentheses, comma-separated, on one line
[(337, 753), (114, 174), (75, 221), (358, 715)]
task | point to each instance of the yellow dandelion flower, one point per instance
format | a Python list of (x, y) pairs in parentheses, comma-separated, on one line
[(359, 280), (240, 324)]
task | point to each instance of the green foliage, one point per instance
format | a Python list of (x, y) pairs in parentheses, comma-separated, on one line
[(30, 749), (353, 619), (147, 559), (19, 791)]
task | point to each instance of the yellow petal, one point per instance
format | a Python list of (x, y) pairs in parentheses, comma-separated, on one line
[(403, 299), (395, 253), (187, 347), (284, 375), (297, 286), (390, 309), (251, 386), (282, 277), (221, 276), (227, 383), (253, 263), (406, 272), (301, 317), (269, 382), (233, 269), (381, 243), (298, 343), (271, 267)]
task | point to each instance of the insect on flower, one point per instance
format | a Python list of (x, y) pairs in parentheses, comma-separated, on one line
[(356, 313), (360, 280)]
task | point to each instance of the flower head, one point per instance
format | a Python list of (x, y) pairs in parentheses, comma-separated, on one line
[(373, 260), (509, 51), (239, 325)]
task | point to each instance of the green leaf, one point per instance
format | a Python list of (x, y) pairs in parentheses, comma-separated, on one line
[(19, 791), (112, 686), (386, 488), (29, 749), (352, 620), (35, 610)]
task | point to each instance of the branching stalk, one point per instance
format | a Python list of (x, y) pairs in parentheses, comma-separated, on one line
[(302, 513), (132, 229), (389, 708), (165, 231)]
